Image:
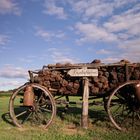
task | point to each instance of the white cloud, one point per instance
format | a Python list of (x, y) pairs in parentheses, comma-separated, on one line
[(109, 21), (44, 34), (49, 35), (28, 59), (10, 83), (3, 39), (61, 56), (91, 32), (90, 9), (98, 8), (128, 22), (122, 3), (13, 72), (111, 59), (9, 6), (131, 50), (121, 29), (51, 8), (103, 51)]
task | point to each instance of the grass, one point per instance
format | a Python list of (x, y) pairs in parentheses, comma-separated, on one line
[(5, 94), (65, 127)]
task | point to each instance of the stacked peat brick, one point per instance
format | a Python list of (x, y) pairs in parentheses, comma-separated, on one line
[(109, 77), (58, 81)]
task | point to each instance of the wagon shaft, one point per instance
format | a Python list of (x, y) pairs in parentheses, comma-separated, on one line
[(56, 78)]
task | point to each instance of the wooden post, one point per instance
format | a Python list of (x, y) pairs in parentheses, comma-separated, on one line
[(84, 72), (84, 118)]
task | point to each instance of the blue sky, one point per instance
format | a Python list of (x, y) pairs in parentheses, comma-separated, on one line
[(34, 33)]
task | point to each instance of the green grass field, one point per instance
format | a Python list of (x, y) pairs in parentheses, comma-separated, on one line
[(64, 128)]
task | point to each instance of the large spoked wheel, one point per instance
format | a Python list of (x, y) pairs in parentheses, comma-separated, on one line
[(123, 107), (40, 114)]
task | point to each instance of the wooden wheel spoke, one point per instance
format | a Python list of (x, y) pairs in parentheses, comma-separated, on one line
[(138, 115), (116, 110), (125, 117), (25, 119), (40, 118), (34, 117), (115, 102), (123, 110), (44, 118), (133, 119), (45, 109), (40, 98), (22, 113), (46, 102), (120, 97)]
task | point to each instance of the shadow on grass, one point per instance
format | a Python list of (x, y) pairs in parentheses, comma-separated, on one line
[(73, 114), (6, 117)]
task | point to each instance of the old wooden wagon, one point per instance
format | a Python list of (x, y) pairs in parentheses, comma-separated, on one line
[(118, 84)]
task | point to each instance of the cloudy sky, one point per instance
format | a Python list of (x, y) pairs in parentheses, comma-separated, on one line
[(34, 33)]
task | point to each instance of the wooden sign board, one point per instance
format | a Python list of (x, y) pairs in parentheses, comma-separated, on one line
[(84, 72)]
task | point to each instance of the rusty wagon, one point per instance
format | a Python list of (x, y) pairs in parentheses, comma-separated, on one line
[(118, 84)]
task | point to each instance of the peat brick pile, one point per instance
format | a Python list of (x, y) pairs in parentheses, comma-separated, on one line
[(55, 77)]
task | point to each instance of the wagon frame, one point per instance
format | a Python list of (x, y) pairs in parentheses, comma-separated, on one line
[(122, 103)]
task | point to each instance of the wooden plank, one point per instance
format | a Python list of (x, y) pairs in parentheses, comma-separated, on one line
[(84, 72), (84, 118), (88, 65)]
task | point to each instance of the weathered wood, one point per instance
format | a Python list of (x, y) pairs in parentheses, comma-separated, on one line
[(84, 118), (83, 72), (88, 65)]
